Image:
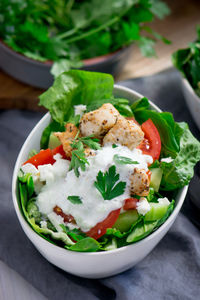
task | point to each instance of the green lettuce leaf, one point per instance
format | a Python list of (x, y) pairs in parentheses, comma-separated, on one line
[(75, 87), (179, 172), (170, 131), (177, 142), (87, 244), (121, 104), (187, 61)]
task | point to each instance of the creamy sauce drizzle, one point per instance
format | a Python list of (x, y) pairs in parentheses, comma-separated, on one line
[(94, 208)]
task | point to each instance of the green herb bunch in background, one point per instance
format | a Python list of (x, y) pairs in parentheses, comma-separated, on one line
[(68, 31), (187, 61)]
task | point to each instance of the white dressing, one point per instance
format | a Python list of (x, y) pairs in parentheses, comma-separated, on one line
[(94, 208), (143, 206), (79, 109)]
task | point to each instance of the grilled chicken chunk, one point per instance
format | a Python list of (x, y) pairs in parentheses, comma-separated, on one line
[(124, 132), (139, 181), (67, 137), (99, 121)]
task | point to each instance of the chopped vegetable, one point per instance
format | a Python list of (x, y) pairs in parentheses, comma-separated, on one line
[(100, 229), (152, 143), (43, 157)]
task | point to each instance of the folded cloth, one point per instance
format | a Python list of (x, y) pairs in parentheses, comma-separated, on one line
[(170, 271)]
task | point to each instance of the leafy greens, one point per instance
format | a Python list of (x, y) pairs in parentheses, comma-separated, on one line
[(75, 87), (177, 142), (187, 61), (78, 159), (94, 89), (67, 32)]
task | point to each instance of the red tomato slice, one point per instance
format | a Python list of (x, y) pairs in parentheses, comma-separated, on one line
[(41, 158), (46, 156), (59, 150), (152, 142), (100, 229), (130, 203)]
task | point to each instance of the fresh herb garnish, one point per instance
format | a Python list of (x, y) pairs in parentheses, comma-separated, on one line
[(122, 160), (107, 185), (91, 142), (78, 159), (114, 146), (188, 63), (67, 32), (75, 199)]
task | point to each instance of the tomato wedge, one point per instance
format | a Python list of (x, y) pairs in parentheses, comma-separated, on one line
[(100, 229), (130, 203), (59, 150), (46, 156), (151, 145), (41, 158)]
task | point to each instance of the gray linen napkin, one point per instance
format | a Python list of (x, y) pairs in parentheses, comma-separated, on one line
[(170, 271)]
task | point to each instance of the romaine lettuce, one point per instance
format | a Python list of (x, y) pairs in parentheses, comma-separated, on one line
[(75, 87)]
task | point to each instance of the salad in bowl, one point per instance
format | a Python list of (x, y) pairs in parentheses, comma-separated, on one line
[(108, 171)]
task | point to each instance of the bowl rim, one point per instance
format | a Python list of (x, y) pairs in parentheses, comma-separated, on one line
[(21, 218), (48, 63)]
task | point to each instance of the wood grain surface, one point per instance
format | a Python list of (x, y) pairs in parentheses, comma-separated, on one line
[(179, 27)]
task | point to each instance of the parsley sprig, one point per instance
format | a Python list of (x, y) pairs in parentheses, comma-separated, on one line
[(75, 199), (78, 159), (107, 185)]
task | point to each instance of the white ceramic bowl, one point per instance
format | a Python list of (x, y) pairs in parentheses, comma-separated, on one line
[(98, 264), (192, 101)]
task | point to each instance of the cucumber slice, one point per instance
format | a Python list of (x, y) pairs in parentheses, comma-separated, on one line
[(157, 211), (125, 220), (156, 176), (112, 245), (53, 141)]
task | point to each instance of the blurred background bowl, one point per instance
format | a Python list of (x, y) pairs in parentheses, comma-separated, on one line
[(192, 101), (38, 74)]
